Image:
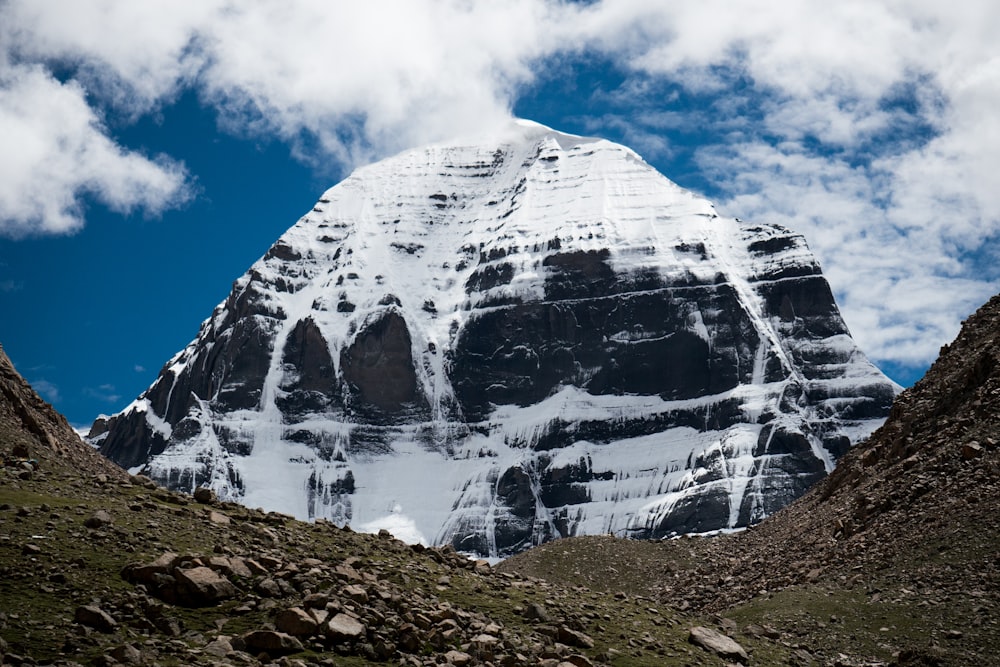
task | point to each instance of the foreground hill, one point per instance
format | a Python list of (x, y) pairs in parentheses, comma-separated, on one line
[(893, 557), (98, 568)]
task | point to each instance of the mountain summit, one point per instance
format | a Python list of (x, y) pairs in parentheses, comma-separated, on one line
[(494, 343)]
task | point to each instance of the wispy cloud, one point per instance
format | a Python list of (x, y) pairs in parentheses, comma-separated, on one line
[(105, 392), (47, 390)]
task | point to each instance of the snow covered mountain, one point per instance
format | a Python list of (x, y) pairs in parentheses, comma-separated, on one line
[(493, 343)]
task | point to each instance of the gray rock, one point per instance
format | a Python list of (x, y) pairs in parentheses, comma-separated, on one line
[(457, 658), (201, 586), (535, 611), (98, 519), (971, 450), (344, 628), (718, 643), (295, 622), (95, 617), (219, 647), (127, 655), (230, 566), (204, 495), (274, 643), (572, 637), (356, 593)]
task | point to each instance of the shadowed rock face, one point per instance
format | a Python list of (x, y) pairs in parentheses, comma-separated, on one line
[(492, 345), (379, 364)]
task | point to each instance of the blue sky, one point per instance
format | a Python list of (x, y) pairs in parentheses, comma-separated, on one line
[(153, 151)]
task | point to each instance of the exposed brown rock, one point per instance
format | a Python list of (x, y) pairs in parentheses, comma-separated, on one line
[(201, 586), (271, 642), (99, 519), (204, 495), (295, 622)]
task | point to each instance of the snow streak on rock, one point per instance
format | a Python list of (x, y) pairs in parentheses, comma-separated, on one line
[(497, 342)]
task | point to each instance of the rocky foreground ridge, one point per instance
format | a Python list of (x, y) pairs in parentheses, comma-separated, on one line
[(101, 568), (896, 551), (498, 342)]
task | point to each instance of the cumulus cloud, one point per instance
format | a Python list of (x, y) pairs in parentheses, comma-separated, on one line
[(869, 130), (56, 151)]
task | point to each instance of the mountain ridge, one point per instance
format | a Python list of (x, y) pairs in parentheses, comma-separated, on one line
[(514, 320)]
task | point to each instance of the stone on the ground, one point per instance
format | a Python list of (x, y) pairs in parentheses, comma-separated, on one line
[(718, 643), (274, 643), (573, 638), (204, 586), (98, 519), (204, 495), (457, 658), (296, 622), (343, 628), (95, 617)]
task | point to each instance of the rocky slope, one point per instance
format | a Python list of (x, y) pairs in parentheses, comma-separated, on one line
[(895, 551), (34, 435), (493, 343), (101, 568)]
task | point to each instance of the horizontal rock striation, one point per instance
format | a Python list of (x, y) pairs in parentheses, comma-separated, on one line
[(491, 344)]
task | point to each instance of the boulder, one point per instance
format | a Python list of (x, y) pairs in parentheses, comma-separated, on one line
[(98, 519), (718, 643), (219, 647), (344, 628), (356, 593), (457, 658), (574, 638), (219, 518), (204, 495), (272, 642), (202, 586), (230, 566), (127, 655), (95, 617), (295, 621)]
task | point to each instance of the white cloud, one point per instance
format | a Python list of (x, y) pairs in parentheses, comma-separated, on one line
[(902, 289), (897, 199), (56, 150), (367, 79), (47, 390), (132, 53), (105, 392)]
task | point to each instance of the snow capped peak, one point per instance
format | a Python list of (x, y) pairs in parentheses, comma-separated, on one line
[(500, 340)]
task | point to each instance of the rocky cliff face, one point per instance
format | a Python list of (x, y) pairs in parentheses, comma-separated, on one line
[(495, 343)]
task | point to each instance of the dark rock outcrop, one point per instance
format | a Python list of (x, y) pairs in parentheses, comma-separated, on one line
[(565, 343)]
